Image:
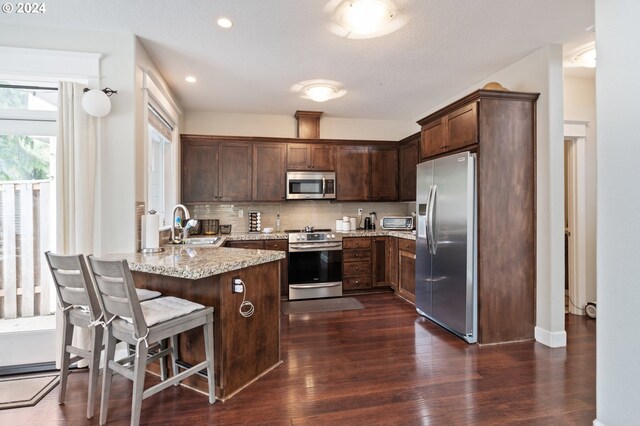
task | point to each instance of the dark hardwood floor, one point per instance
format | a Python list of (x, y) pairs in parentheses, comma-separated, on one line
[(380, 365)]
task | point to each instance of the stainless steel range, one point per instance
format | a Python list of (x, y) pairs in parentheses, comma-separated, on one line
[(315, 264)]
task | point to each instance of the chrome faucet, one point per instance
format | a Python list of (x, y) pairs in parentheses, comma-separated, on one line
[(185, 231)]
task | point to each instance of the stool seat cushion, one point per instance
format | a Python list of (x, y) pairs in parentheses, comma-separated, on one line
[(144, 294), (166, 308)]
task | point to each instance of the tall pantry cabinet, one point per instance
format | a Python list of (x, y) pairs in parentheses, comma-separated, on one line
[(501, 128)]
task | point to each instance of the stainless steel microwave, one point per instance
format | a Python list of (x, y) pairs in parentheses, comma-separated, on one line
[(311, 185)]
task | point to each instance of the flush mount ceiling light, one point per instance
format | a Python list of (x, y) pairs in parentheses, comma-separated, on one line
[(586, 58), (225, 23), (365, 18), (96, 102), (320, 92), (190, 79)]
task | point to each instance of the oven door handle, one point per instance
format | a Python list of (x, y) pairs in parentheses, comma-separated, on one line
[(315, 247), (305, 286)]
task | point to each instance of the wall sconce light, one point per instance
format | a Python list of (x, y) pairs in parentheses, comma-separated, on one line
[(96, 102)]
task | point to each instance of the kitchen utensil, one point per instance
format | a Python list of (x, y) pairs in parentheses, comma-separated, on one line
[(308, 229), (225, 229)]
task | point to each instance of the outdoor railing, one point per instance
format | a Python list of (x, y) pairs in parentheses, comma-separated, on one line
[(25, 234)]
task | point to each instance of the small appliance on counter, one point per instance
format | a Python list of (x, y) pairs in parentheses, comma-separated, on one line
[(225, 229), (254, 221), (374, 218), (367, 223), (398, 223)]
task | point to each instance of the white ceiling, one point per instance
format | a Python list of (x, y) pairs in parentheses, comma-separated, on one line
[(444, 47)]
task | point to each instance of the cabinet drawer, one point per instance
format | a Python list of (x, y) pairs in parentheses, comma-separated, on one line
[(246, 244), (280, 245), (406, 245), (356, 282), (351, 255), (356, 268), (348, 243)]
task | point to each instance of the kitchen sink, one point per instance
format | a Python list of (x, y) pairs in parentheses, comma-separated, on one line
[(202, 240)]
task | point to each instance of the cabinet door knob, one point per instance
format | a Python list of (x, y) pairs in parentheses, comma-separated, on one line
[(357, 268), (357, 281)]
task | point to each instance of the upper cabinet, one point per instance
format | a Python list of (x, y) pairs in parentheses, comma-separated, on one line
[(367, 173), (310, 156), (232, 168), (269, 160), (449, 132), (408, 159), (352, 173), (199, 175), (214, 171)]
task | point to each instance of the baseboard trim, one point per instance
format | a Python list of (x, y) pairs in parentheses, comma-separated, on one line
[(13, 370), (555, 339)]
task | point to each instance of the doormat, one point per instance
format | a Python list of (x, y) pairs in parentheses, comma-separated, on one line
[(26, 391), (320, 305)]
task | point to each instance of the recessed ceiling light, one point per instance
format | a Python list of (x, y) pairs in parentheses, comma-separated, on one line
[(225, 22), (320, 92), (190, 79), (364, 17)]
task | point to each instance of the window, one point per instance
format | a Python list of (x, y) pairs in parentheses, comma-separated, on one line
[(28, 114), (162, 142), (159, 177)]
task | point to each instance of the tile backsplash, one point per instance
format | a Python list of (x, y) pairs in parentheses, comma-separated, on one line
[(295, 214)]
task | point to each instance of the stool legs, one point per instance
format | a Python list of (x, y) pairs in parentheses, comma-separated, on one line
[(107, 375), (138, 382), (67, 336), (209, 352), (94, 368)]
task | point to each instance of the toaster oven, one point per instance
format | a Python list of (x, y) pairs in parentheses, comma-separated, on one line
[(399, 223)]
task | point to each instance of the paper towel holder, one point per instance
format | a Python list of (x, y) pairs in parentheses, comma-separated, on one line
[(152, 250)]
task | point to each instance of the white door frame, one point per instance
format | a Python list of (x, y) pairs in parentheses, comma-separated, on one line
[(576, 131)]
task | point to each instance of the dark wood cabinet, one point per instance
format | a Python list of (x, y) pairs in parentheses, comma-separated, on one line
[(367, 173), (199, 175), (268, 171), (407, 269), (213, 171), (450, 132), (383, 165), (381, 268), (278, 245), (352, 173), (310, 156), (408, 157), (500, 127), (356, 263), (234, 167), (432, 139)]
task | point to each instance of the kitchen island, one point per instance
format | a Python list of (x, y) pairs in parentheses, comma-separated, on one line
[(246, 346)]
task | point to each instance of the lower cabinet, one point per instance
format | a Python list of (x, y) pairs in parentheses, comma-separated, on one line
[(356, 263), (278, 245), (407, 269)]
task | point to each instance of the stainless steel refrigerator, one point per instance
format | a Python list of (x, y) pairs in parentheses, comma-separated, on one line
[(446, 284)]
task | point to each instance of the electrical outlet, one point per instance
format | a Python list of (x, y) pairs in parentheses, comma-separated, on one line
[(237, 286), (360, 212), (240, 213)]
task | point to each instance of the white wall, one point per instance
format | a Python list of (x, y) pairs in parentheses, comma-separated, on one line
[(617, 88), (580, 105), (116, 150), (229, 124), (541, 72)]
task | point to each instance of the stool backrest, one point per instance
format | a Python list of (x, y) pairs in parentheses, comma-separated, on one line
[(72, 281), (117, 292)]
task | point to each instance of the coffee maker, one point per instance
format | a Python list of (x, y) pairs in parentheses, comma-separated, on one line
[(370, 222)]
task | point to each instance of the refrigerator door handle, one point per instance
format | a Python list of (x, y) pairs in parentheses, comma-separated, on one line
[(433, 246)]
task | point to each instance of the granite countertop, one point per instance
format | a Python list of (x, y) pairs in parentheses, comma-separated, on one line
[(407, 235), (195, 262)]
